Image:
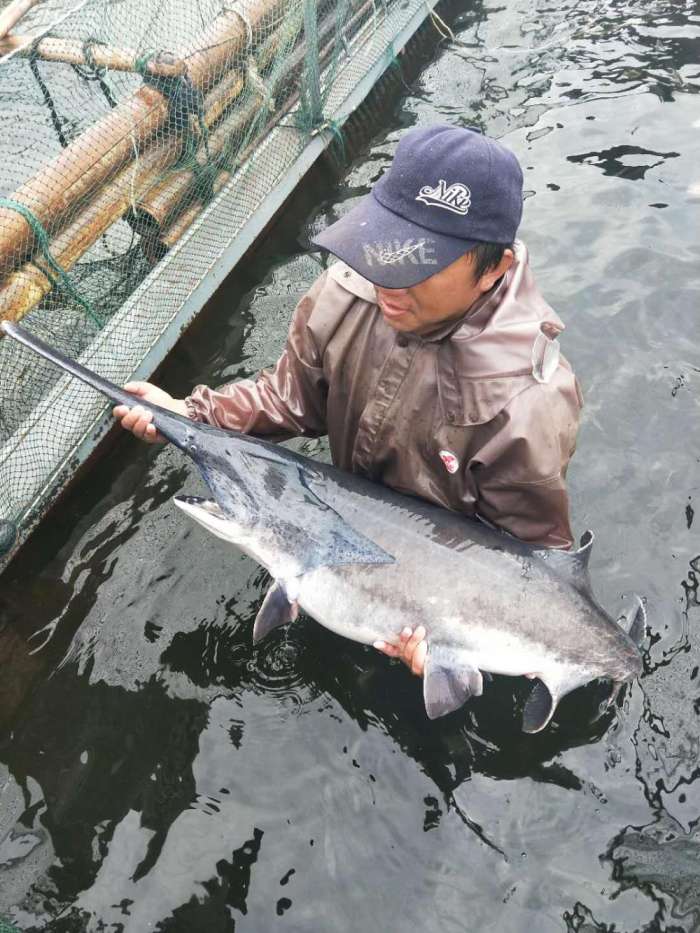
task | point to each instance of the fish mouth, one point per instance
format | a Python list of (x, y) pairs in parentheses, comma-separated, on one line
[(194, 504), (191, 500)]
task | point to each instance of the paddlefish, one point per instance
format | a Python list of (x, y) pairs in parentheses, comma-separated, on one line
[(364, 561)]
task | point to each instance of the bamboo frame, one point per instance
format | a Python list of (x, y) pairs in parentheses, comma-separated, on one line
[(72, 52), (159, 208), (13, 13), (98, 153), (26, 286)]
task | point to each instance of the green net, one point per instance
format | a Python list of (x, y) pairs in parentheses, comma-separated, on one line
[(142, 147), (6, 927)]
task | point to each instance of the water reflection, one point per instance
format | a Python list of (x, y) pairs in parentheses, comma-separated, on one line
[(158, 772), (625, 161), (664, 863)]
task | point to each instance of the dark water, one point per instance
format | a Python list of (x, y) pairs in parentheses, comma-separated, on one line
[(158, 773)]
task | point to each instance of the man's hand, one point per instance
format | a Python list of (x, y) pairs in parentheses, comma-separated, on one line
[(137, 419), (411, 649)]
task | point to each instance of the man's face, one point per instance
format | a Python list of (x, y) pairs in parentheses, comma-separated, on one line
[(444, 296)]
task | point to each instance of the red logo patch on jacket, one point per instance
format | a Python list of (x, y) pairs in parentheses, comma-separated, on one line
[(450, 461)]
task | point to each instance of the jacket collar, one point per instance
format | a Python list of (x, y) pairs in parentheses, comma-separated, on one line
[(352, 282)]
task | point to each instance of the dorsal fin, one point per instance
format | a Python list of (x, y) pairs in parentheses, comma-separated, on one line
[(572, 566)]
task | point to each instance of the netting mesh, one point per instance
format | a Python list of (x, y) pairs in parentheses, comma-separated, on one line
[(139, 142)]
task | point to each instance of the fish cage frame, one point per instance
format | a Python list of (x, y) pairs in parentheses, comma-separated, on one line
[(181, 266)]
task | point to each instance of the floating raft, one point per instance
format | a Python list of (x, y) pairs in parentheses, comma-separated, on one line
[(135, 172)]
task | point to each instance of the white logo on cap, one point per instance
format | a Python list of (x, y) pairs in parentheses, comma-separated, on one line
[(417, 252), (457, 198)]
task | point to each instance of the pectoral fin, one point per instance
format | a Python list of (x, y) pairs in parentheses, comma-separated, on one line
[(277, 609), (446, 687), (539, 708)]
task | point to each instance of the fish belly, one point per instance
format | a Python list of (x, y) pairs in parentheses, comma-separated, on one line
[(376, 604)]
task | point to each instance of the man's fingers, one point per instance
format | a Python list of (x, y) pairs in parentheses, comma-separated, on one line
[(413, 642), (418, 659), (139, 421), (143, 422), (132, 417), (138, 388), (391, 651), (135, 419), (412, 648)]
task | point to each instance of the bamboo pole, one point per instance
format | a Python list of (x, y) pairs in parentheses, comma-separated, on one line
[(93, 55), (100, 151), (156, 246), (26, 286), (157, 208), (13, 13)]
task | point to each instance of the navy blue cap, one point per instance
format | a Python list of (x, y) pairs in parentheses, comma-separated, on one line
[(446, 190)]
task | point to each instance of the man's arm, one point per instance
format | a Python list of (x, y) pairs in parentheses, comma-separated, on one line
[(284, 401)]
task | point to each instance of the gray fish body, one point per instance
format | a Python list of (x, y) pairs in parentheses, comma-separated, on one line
[(365, 561), (488, 601)]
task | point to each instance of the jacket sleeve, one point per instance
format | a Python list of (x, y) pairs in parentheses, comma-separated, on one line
[(286, 400), (521, 470)]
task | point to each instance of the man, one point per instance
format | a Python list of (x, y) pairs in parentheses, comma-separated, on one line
[(427, 353)]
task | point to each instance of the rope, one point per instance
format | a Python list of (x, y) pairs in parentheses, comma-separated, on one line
[(93, 71), (311, 84), (61, 278), (336, 130), (254, 78), (440, 25), (228, 8), (251, 67), (184, 101), (48, 100)]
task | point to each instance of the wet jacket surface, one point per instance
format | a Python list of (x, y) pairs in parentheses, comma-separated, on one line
[(479, 416)]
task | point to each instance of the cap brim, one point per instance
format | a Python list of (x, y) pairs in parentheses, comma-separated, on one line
[(387, 249)]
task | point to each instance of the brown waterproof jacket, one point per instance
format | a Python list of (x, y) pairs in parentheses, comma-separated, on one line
[(479, 416)]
